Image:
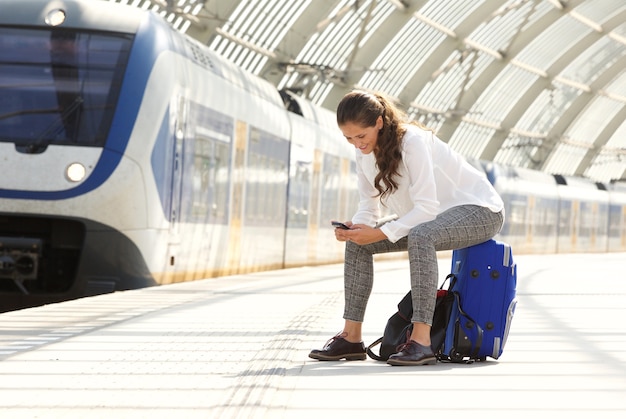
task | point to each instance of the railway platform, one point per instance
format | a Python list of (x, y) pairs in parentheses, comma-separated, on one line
[(237, 347)]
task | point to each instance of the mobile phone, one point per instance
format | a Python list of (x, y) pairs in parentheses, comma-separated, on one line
[(340, 225)]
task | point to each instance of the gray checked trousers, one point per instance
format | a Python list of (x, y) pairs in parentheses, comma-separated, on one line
[(456, 228)]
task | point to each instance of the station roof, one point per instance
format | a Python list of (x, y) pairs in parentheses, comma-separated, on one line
[(539, 84)]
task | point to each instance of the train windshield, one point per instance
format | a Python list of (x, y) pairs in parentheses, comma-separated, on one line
[(59, 86)]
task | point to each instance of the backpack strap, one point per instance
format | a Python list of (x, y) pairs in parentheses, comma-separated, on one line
[(479, 330), (475, 325), (371, 353)]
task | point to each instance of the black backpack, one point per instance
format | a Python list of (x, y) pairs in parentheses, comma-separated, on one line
[(399, 326)]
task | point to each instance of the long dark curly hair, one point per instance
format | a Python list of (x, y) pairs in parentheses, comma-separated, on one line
[(363, 108)]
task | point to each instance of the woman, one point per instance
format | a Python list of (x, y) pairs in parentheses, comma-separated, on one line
[(442, 203)]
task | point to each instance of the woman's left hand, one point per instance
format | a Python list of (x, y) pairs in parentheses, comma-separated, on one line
[(360, 234)]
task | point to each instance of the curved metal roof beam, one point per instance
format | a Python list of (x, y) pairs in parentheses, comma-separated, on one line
[(312, 21), (605, 135), (364, 57), (212, 16), (454, 38), (482, 82), (355, 46), (454, 41), (577, 107), (543, 82)]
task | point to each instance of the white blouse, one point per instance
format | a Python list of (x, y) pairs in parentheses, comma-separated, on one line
[(432, 178)]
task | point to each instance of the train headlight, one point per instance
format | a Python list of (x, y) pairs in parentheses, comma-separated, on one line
[(55, 17), (75, 172)]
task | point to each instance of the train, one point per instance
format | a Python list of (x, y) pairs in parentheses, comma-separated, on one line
[(553, 213), (135, 156)]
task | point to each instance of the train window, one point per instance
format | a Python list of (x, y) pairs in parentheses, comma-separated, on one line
[(206, 197), (300, 179), (516, 214), (211, 173), (266, 179), (59, 86)]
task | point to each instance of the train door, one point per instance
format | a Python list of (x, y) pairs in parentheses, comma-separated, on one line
[(180, 116)]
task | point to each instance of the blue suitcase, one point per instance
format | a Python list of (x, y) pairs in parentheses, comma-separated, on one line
[(483, 281)]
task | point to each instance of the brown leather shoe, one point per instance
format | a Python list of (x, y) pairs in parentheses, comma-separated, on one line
[(338, 348), (412, 353)]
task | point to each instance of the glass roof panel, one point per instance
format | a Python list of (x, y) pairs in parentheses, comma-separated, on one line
[(607, 166), (326, 47), (594, 61), (433, 122), (548, 46), (330, 50), (445, 90), (503, 93), (320, 90), (262, 25), (564, 159), (381, 12), (498, 32), (402, 57), (591, 122), (178, 18), (618, 139), (481, 63), (541, 8), (620, 31), (470, 140), (449, 13), (541, 114), (516, 150), (599, 10)]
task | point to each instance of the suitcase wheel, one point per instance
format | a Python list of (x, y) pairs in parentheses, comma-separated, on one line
[(455, 356)]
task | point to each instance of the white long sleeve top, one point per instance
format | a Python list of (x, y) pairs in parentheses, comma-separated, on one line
[(432, 178)]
